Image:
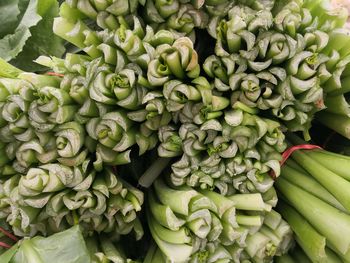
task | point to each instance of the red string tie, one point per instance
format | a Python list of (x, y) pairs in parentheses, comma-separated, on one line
[(287, 153), (54, 74)]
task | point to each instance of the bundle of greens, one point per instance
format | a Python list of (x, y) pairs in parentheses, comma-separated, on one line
[(52, 176), (191, 225), (200, 89), (275, 60), (232, 150), (314, 194), (53, 197)]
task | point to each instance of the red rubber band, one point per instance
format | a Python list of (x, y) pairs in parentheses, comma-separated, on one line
[(8, 234), (287, 153), (2, 244), (55, 74)]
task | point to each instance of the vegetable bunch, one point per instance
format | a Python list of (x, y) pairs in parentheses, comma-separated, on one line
[(204, 226), (52, 174), (315, 202), (200, 89), (233, 152), (52, 197), (275, 60)]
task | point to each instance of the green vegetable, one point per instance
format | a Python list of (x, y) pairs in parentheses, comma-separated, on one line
[(27, 32), (69, 247), (204, 225), (316, 209)]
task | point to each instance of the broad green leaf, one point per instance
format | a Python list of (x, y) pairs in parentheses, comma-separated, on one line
[(67, 246), (9, 12), (42, 42), (12, 44)]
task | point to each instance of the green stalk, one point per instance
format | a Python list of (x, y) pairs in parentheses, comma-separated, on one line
[(111, 251), (256, 243), (299, 255), (164, 215), (293, 164), (308, 238), (327, 220), (286, 259), (272, 219), (180, 236), (337, 163), (174, 252), (158, 257), (153, 172), (336, 122), (223, 203), (249, 220), (150, 253), (69, 31), (253, 202), (178, 200), (345, 87), (332, 257), (337, 105), (335, 184), (310, 185)]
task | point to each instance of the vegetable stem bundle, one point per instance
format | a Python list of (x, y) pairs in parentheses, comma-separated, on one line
[(315, 202)]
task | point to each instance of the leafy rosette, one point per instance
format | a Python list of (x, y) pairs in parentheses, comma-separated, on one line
[(239, 31), (154, 115), (14, 115), (182, 18), (51, 107), (16, 97), (294, 17), (179, 61), (103, 249), (216, 8), (104, 13), (6, 188), (121, 88), (135, 41), (115, 134), (70, 142), (157, 11), (336, 114), (210, 107)]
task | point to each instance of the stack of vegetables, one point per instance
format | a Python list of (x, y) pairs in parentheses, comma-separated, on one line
[(315, 202), (204, 226), (49, 177), (202, 90)]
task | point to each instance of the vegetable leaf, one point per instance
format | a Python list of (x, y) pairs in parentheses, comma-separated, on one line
[(42, 42), (67, 246), (9, 12), (28, 32)]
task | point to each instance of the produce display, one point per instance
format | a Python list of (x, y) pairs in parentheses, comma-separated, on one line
[(174, 131)]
